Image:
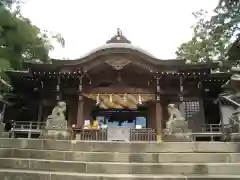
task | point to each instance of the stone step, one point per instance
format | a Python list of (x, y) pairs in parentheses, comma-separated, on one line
[(121, 157), (9, 174), (143, 147), (122, 168)]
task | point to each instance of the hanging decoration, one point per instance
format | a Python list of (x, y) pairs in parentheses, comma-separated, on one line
[(120, 101), (118, 63), (181, 89), (58, 89)]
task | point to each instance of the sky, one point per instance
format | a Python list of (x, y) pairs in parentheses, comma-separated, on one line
[(157, 26)]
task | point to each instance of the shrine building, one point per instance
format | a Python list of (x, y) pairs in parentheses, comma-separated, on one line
[(119, 84)]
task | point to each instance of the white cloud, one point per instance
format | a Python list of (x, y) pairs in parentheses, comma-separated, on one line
[(155, 25)]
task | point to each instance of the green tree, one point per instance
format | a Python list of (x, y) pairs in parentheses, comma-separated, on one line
[(20, 40), (234, 51), (229, 4), (229, 13), (213, 35), (200, 47)]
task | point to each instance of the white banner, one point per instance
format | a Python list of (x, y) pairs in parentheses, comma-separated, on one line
[(118, 133)]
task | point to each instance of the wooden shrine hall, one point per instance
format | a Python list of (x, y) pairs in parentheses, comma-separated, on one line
[(119, 84)]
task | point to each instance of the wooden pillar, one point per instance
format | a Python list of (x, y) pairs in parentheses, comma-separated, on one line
[(40, 108), (40, 111), (80, 117), (158, 111), (159, 119)]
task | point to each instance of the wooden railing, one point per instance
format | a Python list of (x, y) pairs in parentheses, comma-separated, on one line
[(145, 134), (27, 127), (90, 134), (211, 131)]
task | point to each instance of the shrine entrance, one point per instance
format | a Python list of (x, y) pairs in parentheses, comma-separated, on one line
[(128, 110), (136, 118)]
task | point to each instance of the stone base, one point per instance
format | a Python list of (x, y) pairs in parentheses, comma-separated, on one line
[(178, 137), (177, 131), (2, 127), (56, 134), (234, 137), (56, 124), (5, 134), (177, 125)]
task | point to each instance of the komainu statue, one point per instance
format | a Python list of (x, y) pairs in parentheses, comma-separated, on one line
[(57, 119), (176, 126), (174, 113), (56, 124), (58, 111)]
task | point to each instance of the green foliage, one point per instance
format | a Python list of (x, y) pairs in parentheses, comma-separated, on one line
[(213, 35), (4, 64), (234, 51), (20, 40), (228, 4), (7, 3)]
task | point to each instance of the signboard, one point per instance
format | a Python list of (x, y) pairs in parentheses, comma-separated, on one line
[(118, 133)]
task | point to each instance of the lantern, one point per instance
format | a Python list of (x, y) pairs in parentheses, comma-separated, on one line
[(110, 98), (98, 100), (125, 97), (139, 99)]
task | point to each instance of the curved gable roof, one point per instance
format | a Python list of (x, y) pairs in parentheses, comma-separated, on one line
[(113, 48), (119, 44)]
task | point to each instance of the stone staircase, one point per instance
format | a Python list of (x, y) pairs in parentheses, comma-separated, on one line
[(35, 159)]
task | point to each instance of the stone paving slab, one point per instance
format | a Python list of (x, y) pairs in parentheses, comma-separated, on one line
[(121, 168), (144, 147), (121, 157), (9, 174)]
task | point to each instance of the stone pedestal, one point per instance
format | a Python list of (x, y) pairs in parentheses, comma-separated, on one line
[(177, 131), (56, 129), (57, 134), (56, 123), (2, 126)]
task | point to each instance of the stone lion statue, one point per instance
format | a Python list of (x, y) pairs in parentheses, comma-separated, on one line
[(56, 124), (176, 122), (176, 126), (174, 113), (58, 111)]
